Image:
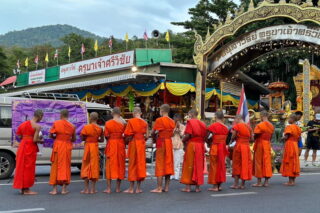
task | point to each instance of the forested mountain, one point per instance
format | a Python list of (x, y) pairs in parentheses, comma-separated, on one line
[(50, 34)]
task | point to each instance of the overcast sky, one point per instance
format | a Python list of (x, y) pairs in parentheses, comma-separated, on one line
[(102, 17)]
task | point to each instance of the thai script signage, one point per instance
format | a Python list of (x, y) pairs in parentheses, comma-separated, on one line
[(293, 32), (100, 64), (38, 76)]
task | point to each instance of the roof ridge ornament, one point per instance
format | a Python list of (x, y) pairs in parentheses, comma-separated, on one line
[(208, 33), (228, 19), (251, 5), (308, 3)]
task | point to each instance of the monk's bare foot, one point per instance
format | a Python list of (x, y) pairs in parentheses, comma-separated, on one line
[(86, 191), (198, 190), (257, 185), (185, 190), (213, 189), (28, 192), (138, 191), (129, 191), (93, 192), (107, 191), (53, 192), (289, 184), (265, 185), (65, 192), (220, 189), (118, 190), (234, 187), (165, 190), (157, 190), (242, 187)]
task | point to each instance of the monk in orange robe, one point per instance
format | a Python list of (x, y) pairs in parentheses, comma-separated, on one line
[(241, 159), (28, 132), (162, 134), (135, 133), (290, 166), (115, 150), (193, 163), (218, 153), (92, 134), (262, 165), (64, 134)]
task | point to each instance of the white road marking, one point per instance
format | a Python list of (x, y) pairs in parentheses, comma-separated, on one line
[(233, 194), (24, 210)]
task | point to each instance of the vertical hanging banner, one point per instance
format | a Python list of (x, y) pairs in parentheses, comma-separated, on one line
[(38, 76), (22, 110), (100, 64)]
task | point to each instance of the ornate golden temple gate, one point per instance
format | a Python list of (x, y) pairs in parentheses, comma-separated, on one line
[(213, 60)]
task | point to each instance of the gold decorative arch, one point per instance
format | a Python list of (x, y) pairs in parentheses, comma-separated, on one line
[(266, 10)]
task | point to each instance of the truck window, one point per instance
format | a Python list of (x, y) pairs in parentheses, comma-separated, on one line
[(104, 115), (5, 116)]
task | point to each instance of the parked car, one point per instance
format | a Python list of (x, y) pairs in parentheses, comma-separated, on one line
[(8, 153)]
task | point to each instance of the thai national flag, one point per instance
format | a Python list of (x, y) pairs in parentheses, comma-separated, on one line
[(243, 107), (145, 36)]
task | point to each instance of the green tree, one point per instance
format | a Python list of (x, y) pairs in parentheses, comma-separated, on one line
[(4, 68)]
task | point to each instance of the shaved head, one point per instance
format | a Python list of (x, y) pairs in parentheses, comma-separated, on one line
[(137, 111), (264, 114), (94, 116), (238, 119), (292, 118), (64, 113), (116, 111), (193, 113), (165, 108), (38, 113), (219, 115)]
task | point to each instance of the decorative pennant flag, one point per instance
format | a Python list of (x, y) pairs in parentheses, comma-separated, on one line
[(96, 47), (126, 37), (167, 36), (145, 36), (110, 42), (56, 54), (243, 107), (26, 62), (18, 64), (36, 59), (83, 49), (46, 58), (69, 52)]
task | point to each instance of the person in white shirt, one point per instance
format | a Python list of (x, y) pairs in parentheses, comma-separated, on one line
[(177, 145)]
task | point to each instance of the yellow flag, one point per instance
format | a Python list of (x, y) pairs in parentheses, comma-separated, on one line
[(26, 62), (167, 36), (126, 37), (96, 46), (69, 52), (47, 58)]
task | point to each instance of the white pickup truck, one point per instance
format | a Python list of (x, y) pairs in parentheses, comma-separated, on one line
[(8, 153)]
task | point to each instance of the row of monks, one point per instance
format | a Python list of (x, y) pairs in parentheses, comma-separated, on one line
[(134, 134)]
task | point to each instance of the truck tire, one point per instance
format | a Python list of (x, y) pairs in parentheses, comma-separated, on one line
[(7, 165)]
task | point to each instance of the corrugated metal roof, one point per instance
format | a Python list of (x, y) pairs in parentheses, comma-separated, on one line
[(113, 79)]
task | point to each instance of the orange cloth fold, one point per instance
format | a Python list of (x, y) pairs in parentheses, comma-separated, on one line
[(115, 150), (164, 152), (290, 166), (24, 176), (61, 152), (193, 163), (242, 159), (137, 128), (262, 165), (218, 153), (90, 168)]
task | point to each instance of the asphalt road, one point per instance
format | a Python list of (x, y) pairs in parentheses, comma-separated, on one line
[(304, 197)]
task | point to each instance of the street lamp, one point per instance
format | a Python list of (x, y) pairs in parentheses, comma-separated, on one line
[(134, 69)]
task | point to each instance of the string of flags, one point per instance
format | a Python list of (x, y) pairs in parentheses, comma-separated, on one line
[(83, 50)]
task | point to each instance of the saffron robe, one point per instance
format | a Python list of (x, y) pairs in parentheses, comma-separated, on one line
[(290, 166), (24, 176), (115, 150), (242, 158), (262, 165), (218, 153), (164, 152), (90, 168), (193, 163), (137, 128), (61, 152)]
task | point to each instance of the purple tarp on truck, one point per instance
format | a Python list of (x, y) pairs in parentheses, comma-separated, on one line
[(23, 110)]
